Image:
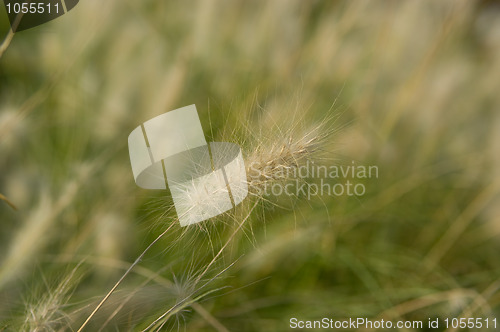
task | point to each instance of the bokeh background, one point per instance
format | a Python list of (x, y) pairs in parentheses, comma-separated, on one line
[(412, 86)]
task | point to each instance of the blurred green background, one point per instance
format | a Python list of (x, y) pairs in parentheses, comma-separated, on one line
[(414, 89)]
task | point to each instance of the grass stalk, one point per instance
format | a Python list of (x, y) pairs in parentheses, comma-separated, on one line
[(123, 277)]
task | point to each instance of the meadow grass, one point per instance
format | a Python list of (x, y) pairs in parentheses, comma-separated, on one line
[(408, 86)]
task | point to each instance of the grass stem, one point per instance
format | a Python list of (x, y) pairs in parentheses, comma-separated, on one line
[(123, 277)]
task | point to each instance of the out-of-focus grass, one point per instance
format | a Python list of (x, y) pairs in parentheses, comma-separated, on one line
[(416, 81)]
